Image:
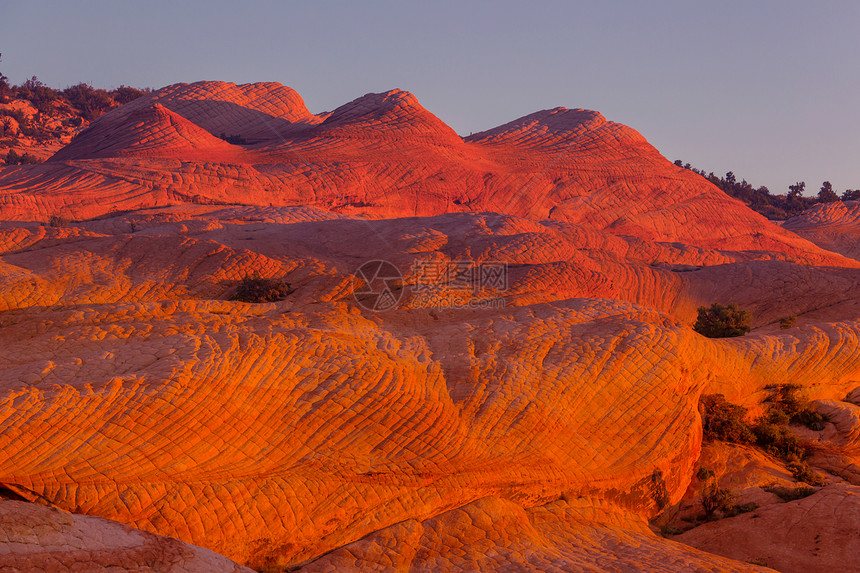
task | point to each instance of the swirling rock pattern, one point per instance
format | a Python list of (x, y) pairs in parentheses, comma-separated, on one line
[(539, 432), (383, 155), (495, 535), (834, 226)]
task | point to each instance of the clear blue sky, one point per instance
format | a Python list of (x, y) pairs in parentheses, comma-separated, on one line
[(769, 89)]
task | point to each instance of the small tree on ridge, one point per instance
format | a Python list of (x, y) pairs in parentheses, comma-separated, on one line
[(720, 321)]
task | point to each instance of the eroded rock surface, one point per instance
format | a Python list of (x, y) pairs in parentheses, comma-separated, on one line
[(38, 538), (383, 155), (817, 533), (491, 534), (534, 425), (833, 226)]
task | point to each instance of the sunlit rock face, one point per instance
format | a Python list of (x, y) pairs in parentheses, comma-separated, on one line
[(381, 155), (38, 538), (535, 423), (833, 226), (817, 533)]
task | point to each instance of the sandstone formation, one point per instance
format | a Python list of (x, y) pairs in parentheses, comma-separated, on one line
[(833, 226), (383, 155), (496, 535), (817, 533), (38, 538), (534, 424)]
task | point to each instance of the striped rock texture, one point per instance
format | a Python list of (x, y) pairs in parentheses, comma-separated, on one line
[(267, 431), (382, 155), (834, 226), (495, 535), (533, 425)]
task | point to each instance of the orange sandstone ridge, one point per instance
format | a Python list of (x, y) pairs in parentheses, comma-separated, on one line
[(382, 155), (541, 432)]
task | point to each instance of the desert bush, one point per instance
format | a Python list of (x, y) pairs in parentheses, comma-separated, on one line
[(91, 102), (778, 441), (724, 421), (58, 221), (738, 509), (720, 321), (16, 114), (787, 322), (703, 473), (802, 472), (13, 158), (255, 289), (810, 418), (785, 406), (775, 417), (5, 88), (716, 498), (759, 198), (124, 94), (784, 397), (790, 493), (658, 489), (41, 96), (233, 139)]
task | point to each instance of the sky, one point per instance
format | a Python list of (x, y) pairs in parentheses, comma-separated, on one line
[(767, 89)]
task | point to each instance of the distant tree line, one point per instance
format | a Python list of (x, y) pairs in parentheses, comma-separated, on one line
[(89, 102), (85, 101), (776, 207)]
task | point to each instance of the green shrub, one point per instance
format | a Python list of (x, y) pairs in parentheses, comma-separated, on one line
[(89, 101), (658, 489), (784, 397), (41, 96), (19, 116), (124, 94), (255, 289), (785, 406), (810, 418), (720, 321), (233, 139), (724, 421), (775, 417), (743, 508), (58, 221), (703, 473), (790, 493), (802, 472), (787, 322), (12, 158), (778, 441), (716, 498)]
